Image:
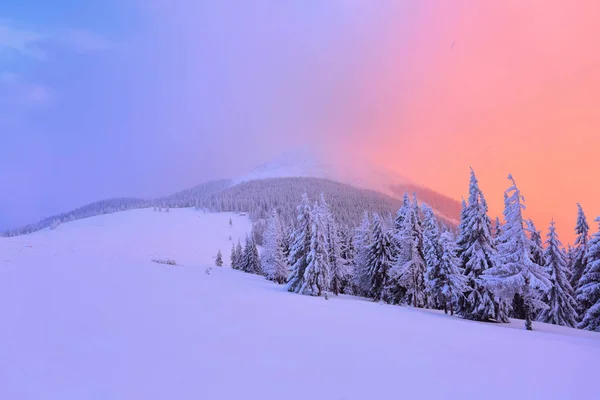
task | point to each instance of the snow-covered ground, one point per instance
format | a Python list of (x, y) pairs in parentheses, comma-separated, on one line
[(86, 314)]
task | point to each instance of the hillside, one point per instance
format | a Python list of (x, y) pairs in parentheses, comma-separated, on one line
[(87, 314)]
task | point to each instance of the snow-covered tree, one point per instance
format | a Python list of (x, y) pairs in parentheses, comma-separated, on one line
[(433, 254), (362, 241), (219, 259), (409, 269), (477, 252), (300, 247), (347, 254), (233, 256), (559, 298), (379, 260), (239, 256), (447, 283), (250, 259), (537, 256), (497, 228), (316, 274), (580, 261), (402, 213), (338, 267), (515, 271), (588, 292), (273, 259)]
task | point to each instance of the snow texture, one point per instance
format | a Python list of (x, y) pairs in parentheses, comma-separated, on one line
[(86, 314)]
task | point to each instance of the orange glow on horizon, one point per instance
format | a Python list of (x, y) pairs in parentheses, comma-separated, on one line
[(504, 87)]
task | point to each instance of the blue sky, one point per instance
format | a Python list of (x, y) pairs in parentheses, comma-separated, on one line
[(111, 98)]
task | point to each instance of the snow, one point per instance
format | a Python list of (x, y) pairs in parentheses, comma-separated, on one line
[(86, 314)]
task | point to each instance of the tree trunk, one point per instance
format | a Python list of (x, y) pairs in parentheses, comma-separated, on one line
[(527, 305), (451, 308)]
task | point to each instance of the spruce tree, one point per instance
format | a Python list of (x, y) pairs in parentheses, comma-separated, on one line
[(433, 254), (515, 271), (362, 241), (447, 281), (409, 269), (338, 269), (559, 298), (580, 262), (300, 247), (588, 292), (379, 260), (232, 256), (347, 254), (219, 259), (272, 257), (477, 252), (316, 274), (250, 259), (239, 256)]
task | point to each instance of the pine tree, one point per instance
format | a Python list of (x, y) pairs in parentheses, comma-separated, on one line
[(581, 248), (316, 275), (362, 241), (559, 298), (477, 252), (433, 254), (272, 258), (298, 258), (515, 271), (379, 260), (219, 259), (448, 283), (409, 269), (588, 292), (537, 256)]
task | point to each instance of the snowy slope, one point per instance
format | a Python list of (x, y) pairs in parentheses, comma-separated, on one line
[(311, 162), (87, 315)]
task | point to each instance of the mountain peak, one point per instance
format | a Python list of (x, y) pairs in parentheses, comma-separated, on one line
[(310, 161)]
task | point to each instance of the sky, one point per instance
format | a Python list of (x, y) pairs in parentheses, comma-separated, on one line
[(109, 98)]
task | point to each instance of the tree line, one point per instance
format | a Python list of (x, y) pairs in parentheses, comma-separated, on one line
[(479, 270)]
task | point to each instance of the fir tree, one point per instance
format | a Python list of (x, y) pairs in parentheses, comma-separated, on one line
[(581, 248), (537, 256), (316, 274), (447, 281), (233, 256), (219, 259), (559, 298), (239, 256), (588, 292), (402, 213), (298, 258), (347, 254), (273, 259), (338, 268), (433, 254), (515, 271), (409, 269), (250, 259), (497, 228), (362, 241), (477, 252), (379, 260)]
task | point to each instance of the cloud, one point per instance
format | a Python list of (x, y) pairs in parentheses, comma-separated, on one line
[(23, 42), (16, 93), (84, 41)]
